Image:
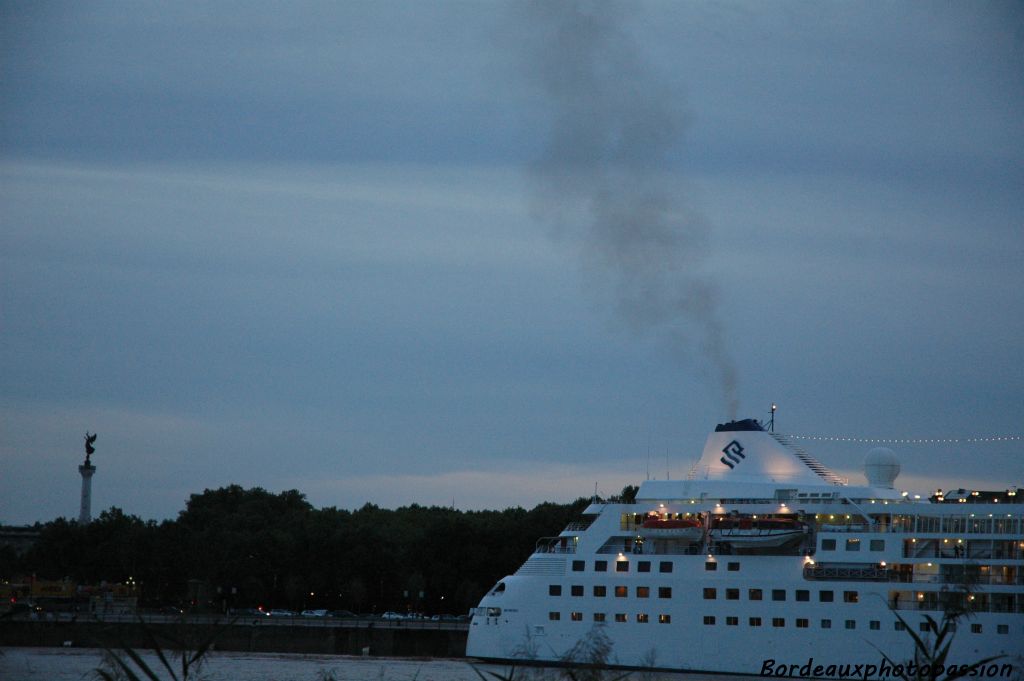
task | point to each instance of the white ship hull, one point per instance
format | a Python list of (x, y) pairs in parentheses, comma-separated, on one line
[(831, 596)]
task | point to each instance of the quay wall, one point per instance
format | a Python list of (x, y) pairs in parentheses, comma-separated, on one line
[(373, 640)]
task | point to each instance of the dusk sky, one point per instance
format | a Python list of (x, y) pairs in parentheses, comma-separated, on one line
[(491, 254)]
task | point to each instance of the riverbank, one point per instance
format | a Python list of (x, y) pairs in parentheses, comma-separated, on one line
[(358, 638)]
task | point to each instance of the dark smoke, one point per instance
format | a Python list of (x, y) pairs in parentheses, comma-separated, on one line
[(606, 166)]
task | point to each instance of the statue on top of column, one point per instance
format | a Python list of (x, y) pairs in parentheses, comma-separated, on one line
[(89, 449)]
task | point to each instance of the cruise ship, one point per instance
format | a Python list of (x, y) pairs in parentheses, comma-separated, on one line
[(765, 562)]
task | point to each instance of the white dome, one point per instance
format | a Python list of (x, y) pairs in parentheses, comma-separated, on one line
[(881, 467)]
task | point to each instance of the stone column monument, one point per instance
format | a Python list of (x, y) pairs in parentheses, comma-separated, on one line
[(87, 469)]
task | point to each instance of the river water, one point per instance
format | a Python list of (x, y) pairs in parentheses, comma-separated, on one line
[(78, 664)]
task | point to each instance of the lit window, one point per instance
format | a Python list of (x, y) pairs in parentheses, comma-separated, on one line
[(664, 619), (732, 621), (643, 592), (853, 544), (576, 616), (620, 617), (710, 593), (642, 618), (599, 617), (850, 597), (621, 591)]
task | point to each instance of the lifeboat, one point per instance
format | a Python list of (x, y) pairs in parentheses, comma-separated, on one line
[(662, 528), (757, 532)]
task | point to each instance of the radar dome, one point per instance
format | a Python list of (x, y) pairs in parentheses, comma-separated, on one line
[(881, 467)]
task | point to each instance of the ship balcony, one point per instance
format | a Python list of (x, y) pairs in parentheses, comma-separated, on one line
[(561, 544)]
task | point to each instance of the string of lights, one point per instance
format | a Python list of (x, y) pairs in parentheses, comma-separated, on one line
[(908, 440)]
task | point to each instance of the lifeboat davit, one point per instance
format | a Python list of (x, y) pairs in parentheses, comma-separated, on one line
[(757, 532), (662, 528)]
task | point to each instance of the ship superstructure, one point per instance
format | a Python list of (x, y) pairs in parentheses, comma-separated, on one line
[(764, 560)]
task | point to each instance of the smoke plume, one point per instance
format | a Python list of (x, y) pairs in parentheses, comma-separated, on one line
[(605, 170)]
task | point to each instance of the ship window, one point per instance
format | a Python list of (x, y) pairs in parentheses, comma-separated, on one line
[(576, 616), (778, 621), (642, 618), (576, 589), (900, 626), (664, 619), (755, 621), (803, 595), (643, 566), (853, 544), (778, 594), (578, 565), (666, 566), (554, 590), (600, 566), (826, 624), (600, 590), (621, 591), (664, 592), (975, 628), (732, 594), (878, 545), (801, 623), (924, 627), (554, 615), (709, 619), (732, 621), (620, 617), (825, 596), (710, 566), (734, 567), (851, 624), (874, 625), (599, 617), (828, 544), (1002, 628), (643, 592), (850, 597), (622, 566), (755, 594), (710, 593)]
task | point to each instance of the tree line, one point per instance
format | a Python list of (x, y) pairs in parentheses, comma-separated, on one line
[(239, 548)]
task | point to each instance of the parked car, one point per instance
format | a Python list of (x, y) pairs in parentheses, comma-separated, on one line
[(283, 613), (391, 615), (314, 613), (341, 613)]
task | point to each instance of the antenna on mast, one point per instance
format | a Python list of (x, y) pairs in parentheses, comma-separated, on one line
[(771, 423)]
